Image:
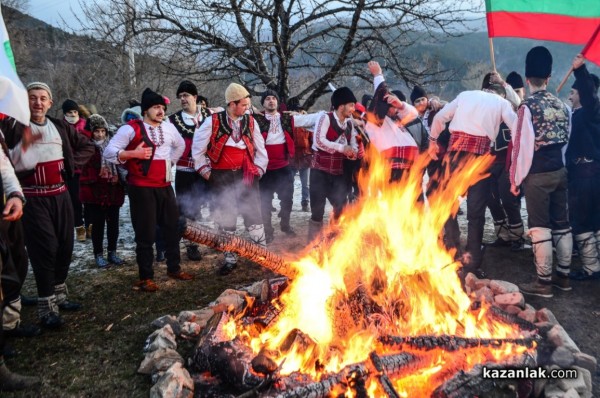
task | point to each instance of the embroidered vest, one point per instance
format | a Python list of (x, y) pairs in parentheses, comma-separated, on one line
[(187, 132), (221, 131), (550, 119), (145, 172), (279, 155), (332, 162)]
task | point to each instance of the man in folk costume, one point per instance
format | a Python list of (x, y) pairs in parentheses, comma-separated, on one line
[(229, 152), (277, 130), (148, 149), (334, 140), (11, 277), (537, 163), (44, 154), (475, 118), (191, 189), (583, 165), (387, 135), (504, 206)]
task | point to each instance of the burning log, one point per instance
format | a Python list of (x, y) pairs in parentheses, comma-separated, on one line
[(449, 343), (324, 387), (499, 313), (472, 383), (197, 233)]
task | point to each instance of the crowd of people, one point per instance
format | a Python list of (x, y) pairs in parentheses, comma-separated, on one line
[(74, 174)]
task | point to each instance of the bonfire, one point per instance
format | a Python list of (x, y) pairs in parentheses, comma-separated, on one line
[(374, 307)]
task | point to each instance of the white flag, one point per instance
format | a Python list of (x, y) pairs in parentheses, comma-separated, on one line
[(13, 95)]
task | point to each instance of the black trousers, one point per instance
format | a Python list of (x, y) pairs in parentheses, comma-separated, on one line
[(584, 197), (323, 187), (151, 207), (193, 191), (280, 181), (48, 228), (14, 256), (101, 215), (80, 213), (502, 203)]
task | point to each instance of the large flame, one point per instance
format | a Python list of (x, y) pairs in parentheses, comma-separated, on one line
[(387, 248)]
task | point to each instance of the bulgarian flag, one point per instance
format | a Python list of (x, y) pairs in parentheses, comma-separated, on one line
[(13, 95), (567, 21), (592, 49)]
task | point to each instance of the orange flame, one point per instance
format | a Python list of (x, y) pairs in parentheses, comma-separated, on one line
[(386, 252)]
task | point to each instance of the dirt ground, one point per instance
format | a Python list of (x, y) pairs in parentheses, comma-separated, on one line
[(100, 348)]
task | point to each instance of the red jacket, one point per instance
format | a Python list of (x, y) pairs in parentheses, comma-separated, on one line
[(98, 190)]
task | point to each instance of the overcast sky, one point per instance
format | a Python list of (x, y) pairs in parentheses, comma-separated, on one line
[(51, 11)]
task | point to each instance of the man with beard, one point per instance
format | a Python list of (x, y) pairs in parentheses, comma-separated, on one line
[(191, 189), (44, 154), (148, 149), (387, 135), (229, 152), (334, 140), (583, 165), (537, 163)]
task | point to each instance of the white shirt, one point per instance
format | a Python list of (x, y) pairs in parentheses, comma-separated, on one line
[(202, 138), (46, 149), (170, 148), (476, 113), (389, 135), (10, 182), (322, 143)]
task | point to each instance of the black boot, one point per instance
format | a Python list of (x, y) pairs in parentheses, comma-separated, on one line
[(10, 381), (193, 254)]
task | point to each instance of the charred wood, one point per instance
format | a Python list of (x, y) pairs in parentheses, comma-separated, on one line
[(245, 248), (449, 343), (502, 315)]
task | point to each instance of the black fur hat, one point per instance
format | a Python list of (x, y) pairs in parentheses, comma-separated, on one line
[(342, 96), (418, 92), (187, 86), (150, 98), (70, 105), (268, 93), (538, 63), (515, 80)]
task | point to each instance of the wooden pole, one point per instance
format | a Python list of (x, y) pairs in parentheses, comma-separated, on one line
[(492, 54), (564, 80)]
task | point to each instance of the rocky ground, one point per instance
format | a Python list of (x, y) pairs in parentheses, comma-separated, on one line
[(99, 350)]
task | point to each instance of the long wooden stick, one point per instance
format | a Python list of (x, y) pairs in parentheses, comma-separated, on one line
[(492, 54), (564, 80)]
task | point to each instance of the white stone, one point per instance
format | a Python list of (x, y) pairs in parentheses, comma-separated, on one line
[(538, 387), (161, 338), (528, 315), (193, 316), (559, 337), (470, 280), (175, 383), (502, 287), (510, 299), (551, 390), (563, 357), (159, 361), (545, 315), (484, 294), (571, 393), (578, 384), (587, 377), (191, 329), (586, 361)]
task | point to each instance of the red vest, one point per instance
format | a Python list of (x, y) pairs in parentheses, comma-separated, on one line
[(221, 131), (145, 172), (332, 163), (279, 154)]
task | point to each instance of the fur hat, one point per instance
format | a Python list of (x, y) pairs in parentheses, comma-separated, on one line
[(95, 122), (594, 79), (342, 96), (379, 105), (417, 92), (538, 63), (150, 98), (133, 113), (399, 94), (70, 105), (186, 86), (515, 80), (235, 92), (268, 93), (39, 86)]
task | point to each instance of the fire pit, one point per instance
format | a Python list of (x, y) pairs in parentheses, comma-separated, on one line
[(374, 308)]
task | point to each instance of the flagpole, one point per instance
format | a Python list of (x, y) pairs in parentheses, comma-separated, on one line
[(492, 54), (564, 80)]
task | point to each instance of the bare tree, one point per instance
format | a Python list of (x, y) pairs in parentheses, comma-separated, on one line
[(21, 5), (277, 44)]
